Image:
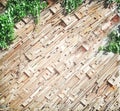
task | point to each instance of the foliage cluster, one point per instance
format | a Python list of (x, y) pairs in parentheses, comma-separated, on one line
[(21, 8), (113, 44), (109, 2), (15, 11), (71, 5), (7, 29)]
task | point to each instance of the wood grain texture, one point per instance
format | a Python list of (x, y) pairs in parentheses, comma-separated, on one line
[(57, 67)]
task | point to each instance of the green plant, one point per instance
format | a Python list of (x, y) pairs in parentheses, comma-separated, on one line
[(71, 5), (117, 1), (15, 11), (34, 8), (22, 8), (7, 30), (113, 44), (118, 9), (108, 3)]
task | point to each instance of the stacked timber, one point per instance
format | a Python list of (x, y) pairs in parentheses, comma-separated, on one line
[(57, 66)]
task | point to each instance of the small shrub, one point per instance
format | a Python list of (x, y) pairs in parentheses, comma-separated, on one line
[(113, 44)]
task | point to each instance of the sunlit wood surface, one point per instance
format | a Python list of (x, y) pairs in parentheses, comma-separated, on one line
[(56, 66)]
